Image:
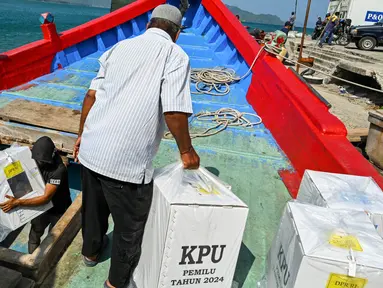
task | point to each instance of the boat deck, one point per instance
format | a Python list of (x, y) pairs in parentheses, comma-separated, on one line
[(247, 159)]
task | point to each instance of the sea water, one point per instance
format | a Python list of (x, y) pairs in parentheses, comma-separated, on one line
[(272, 28), (19, 20)]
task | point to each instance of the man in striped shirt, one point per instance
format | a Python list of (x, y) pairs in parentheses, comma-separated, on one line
[(141, 82)]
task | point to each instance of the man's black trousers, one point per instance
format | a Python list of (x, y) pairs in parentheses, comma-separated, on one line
[(129, 205)]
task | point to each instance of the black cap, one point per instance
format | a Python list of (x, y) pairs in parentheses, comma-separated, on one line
[(44, 150), (288, 23)]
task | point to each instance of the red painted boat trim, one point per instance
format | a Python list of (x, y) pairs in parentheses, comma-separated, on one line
[(33, 60), (310, 136)]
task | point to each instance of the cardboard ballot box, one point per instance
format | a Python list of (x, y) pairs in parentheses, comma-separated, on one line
[(194, 231), (319, 247), (340, 191), (19, 178)]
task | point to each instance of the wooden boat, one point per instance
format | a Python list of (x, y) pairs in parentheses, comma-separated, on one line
[(43, 84)]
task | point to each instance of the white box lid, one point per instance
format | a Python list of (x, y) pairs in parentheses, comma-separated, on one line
[(194, 187), (342, 191), (317, 226)]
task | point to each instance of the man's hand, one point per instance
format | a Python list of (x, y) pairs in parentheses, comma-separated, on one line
[(190, 159), (179, 127), (76, 149), (10, 204)]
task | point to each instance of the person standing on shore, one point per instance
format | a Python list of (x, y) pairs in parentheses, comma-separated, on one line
[(292, 19), (184, 6), (239, 19), (319, 21), (318, 29), (286, 29), (329, 29), (142, 83)]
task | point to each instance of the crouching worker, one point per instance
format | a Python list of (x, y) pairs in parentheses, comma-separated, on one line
[(55, 176)]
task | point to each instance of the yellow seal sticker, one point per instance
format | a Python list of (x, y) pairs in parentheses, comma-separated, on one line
[(345, 241), (13, 169), (341, 281), (207, 192)]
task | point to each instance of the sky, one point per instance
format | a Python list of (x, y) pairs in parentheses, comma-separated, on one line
[(283, 8)]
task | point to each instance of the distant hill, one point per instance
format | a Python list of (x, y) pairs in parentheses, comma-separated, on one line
[(245, 15), (257, 18)]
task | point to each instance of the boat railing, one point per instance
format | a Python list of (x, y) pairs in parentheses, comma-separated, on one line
[(33, 60)]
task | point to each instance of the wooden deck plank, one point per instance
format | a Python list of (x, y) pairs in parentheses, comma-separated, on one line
[(41, 115), (11, 133), (357, 134)]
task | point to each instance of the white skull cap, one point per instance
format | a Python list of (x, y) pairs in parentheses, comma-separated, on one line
[(168, 12)]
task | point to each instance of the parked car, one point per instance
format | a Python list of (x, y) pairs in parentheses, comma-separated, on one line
[(367, 37)]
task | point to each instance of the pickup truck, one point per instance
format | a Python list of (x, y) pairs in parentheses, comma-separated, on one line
[(367, 37)]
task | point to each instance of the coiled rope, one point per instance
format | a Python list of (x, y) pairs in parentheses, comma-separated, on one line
[(217, 81), (223, 118)]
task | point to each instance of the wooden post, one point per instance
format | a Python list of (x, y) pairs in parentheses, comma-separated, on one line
[(50, 32), (304, 32), (296, 8)]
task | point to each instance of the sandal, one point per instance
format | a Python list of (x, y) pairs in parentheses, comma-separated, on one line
[(91, 263)]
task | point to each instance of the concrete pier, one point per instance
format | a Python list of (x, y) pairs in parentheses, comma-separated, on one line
[(350, 103), (337, 59)]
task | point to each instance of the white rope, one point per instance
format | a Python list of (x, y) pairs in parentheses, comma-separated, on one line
[(214, 81), (321, 72), (223, 118), (217, 81)]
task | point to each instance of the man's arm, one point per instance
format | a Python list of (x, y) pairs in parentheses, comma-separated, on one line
[(179, 127), (177, 106), (87, 104), (12, 203)]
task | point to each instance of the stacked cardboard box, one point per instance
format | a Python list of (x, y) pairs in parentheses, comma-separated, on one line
[(19, 178), (340, 191), (330, 241)]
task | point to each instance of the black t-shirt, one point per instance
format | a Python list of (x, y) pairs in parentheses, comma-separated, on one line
[(57, 174)]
